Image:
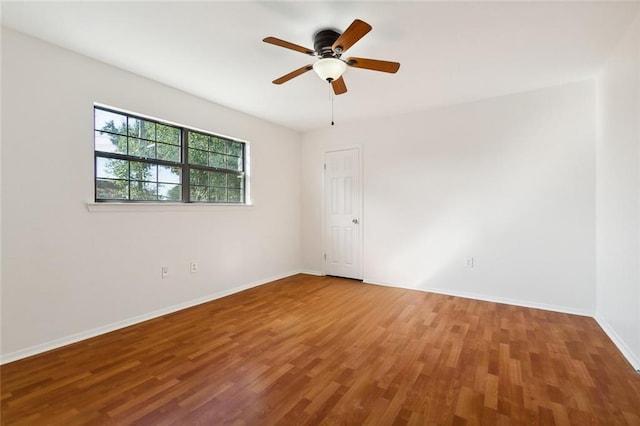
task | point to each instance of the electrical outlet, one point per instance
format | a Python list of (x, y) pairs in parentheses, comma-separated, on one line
[(469, 262), (165, 272), (193, 267)]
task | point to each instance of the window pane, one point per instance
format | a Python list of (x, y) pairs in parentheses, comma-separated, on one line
[(198, 157), (168, 152), (198, 177), (143, 171), (234, 163), (148, 130), (168, 174), (217, 145), (107, 142), (111, 168), (198, 141), (199, 193), (111, 189), (167, 134), (167, 192), (103, 142), (217, 160), (235, 195), (110, 121), (219, 195), (235, 149), (144, 191), (142, 129), (142, 148), (218, 179), (133, 125), (235, 181)]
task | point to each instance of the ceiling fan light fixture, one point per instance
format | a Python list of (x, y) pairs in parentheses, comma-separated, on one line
[(329, 69)]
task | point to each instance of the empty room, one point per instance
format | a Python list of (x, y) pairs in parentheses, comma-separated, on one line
[(336, 213)]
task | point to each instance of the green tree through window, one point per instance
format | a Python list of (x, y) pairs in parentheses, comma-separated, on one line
[(139, 159)]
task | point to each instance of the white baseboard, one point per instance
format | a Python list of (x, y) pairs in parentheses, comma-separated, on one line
[(74, 338), (486, 298), (626, 351), (516, 302), (311, 272)]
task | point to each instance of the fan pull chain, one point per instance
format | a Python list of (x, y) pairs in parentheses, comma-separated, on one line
[(331, 97)]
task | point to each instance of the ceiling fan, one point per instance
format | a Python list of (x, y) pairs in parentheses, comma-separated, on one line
[(329, 45)]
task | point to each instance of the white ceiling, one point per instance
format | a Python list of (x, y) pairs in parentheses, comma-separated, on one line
[(450, 52)]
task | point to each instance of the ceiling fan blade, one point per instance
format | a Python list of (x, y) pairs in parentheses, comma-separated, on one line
[(339, 87), (292, 74), (374, 64), (288, 45), (351, 35)]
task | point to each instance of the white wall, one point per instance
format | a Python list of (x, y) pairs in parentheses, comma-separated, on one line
[(509, 181), (67, 272), (618, 198)]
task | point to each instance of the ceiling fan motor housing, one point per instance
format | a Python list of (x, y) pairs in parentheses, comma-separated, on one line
[(323, 41)]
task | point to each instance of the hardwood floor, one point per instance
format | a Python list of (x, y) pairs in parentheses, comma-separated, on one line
[(320, 350)]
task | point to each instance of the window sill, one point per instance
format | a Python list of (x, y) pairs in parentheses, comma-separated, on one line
[(160, 207)]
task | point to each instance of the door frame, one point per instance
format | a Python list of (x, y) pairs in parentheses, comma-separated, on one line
[(359, 148)]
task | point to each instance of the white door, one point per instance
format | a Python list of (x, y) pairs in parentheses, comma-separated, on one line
[(342, 219)]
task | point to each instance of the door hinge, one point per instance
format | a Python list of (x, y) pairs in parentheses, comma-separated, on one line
[(325, 166), (325, 256)]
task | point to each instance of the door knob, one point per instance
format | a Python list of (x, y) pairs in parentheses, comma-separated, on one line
[(354, 221)]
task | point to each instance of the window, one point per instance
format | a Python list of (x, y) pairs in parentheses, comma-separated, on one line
[(139, 159)]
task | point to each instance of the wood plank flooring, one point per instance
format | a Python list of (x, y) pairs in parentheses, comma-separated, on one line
[(321, 350)]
